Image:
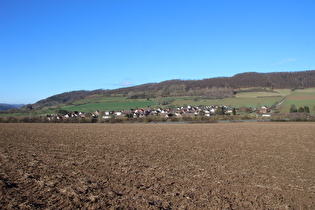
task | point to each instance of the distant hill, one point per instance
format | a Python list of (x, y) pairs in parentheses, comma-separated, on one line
[(282, 80), (220, 87), (10, 106)]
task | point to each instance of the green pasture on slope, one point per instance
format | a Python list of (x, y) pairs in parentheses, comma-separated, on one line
[(100, 99), (128, 104), (111, 106), (231, 102), (258, 94), (306, 91)]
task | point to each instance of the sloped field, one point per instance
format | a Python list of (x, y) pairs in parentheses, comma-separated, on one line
[(158, 166), (300, 98)]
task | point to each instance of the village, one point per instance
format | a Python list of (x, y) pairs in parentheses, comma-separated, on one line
[(180, 112)]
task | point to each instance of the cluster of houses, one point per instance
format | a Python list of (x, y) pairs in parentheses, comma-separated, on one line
[(179, 112), (189, 111)]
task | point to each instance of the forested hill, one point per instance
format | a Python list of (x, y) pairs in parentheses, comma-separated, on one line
[(220, 87), (282, 80)]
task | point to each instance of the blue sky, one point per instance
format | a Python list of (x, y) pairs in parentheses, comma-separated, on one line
[(54, 46)]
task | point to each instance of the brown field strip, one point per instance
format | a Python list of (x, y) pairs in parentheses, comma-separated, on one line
[(158, 166), (304, 97)]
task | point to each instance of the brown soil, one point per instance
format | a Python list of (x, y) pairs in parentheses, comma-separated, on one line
[(304, 97), (158, 166)]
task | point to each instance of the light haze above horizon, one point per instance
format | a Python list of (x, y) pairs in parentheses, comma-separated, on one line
[(50, 47)]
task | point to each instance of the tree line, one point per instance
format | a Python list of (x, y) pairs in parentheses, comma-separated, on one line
[(305, 109)]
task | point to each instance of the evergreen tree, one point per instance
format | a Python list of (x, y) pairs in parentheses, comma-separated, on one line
[(306, 109), (293, 108), (234, 111), (220, 110), (301, 110)]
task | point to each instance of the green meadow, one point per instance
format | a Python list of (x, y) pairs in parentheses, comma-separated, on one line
[(242, 99), (100, 99), (300, 98), (232, 102), (109, 106)]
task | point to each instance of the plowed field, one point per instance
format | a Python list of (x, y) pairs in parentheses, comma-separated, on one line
[(158, 166)]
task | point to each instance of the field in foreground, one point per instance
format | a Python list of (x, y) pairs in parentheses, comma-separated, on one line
[(158, 166)]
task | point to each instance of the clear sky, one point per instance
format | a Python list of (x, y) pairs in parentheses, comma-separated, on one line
[(49, 47)]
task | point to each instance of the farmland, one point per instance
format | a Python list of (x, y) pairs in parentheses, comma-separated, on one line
[(120, 103), (300, 98), (232, 102), (123, 105), (158, 166)]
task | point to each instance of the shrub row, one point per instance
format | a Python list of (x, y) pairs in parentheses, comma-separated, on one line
[(202, 119)]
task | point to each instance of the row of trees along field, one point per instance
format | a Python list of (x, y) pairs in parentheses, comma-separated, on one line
[(305, 109)]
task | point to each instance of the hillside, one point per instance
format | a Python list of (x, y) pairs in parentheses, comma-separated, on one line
[(10, 106), (212, 88), (282, 80)]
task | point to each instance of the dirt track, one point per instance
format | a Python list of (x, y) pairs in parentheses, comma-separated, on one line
[(186, 166)]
